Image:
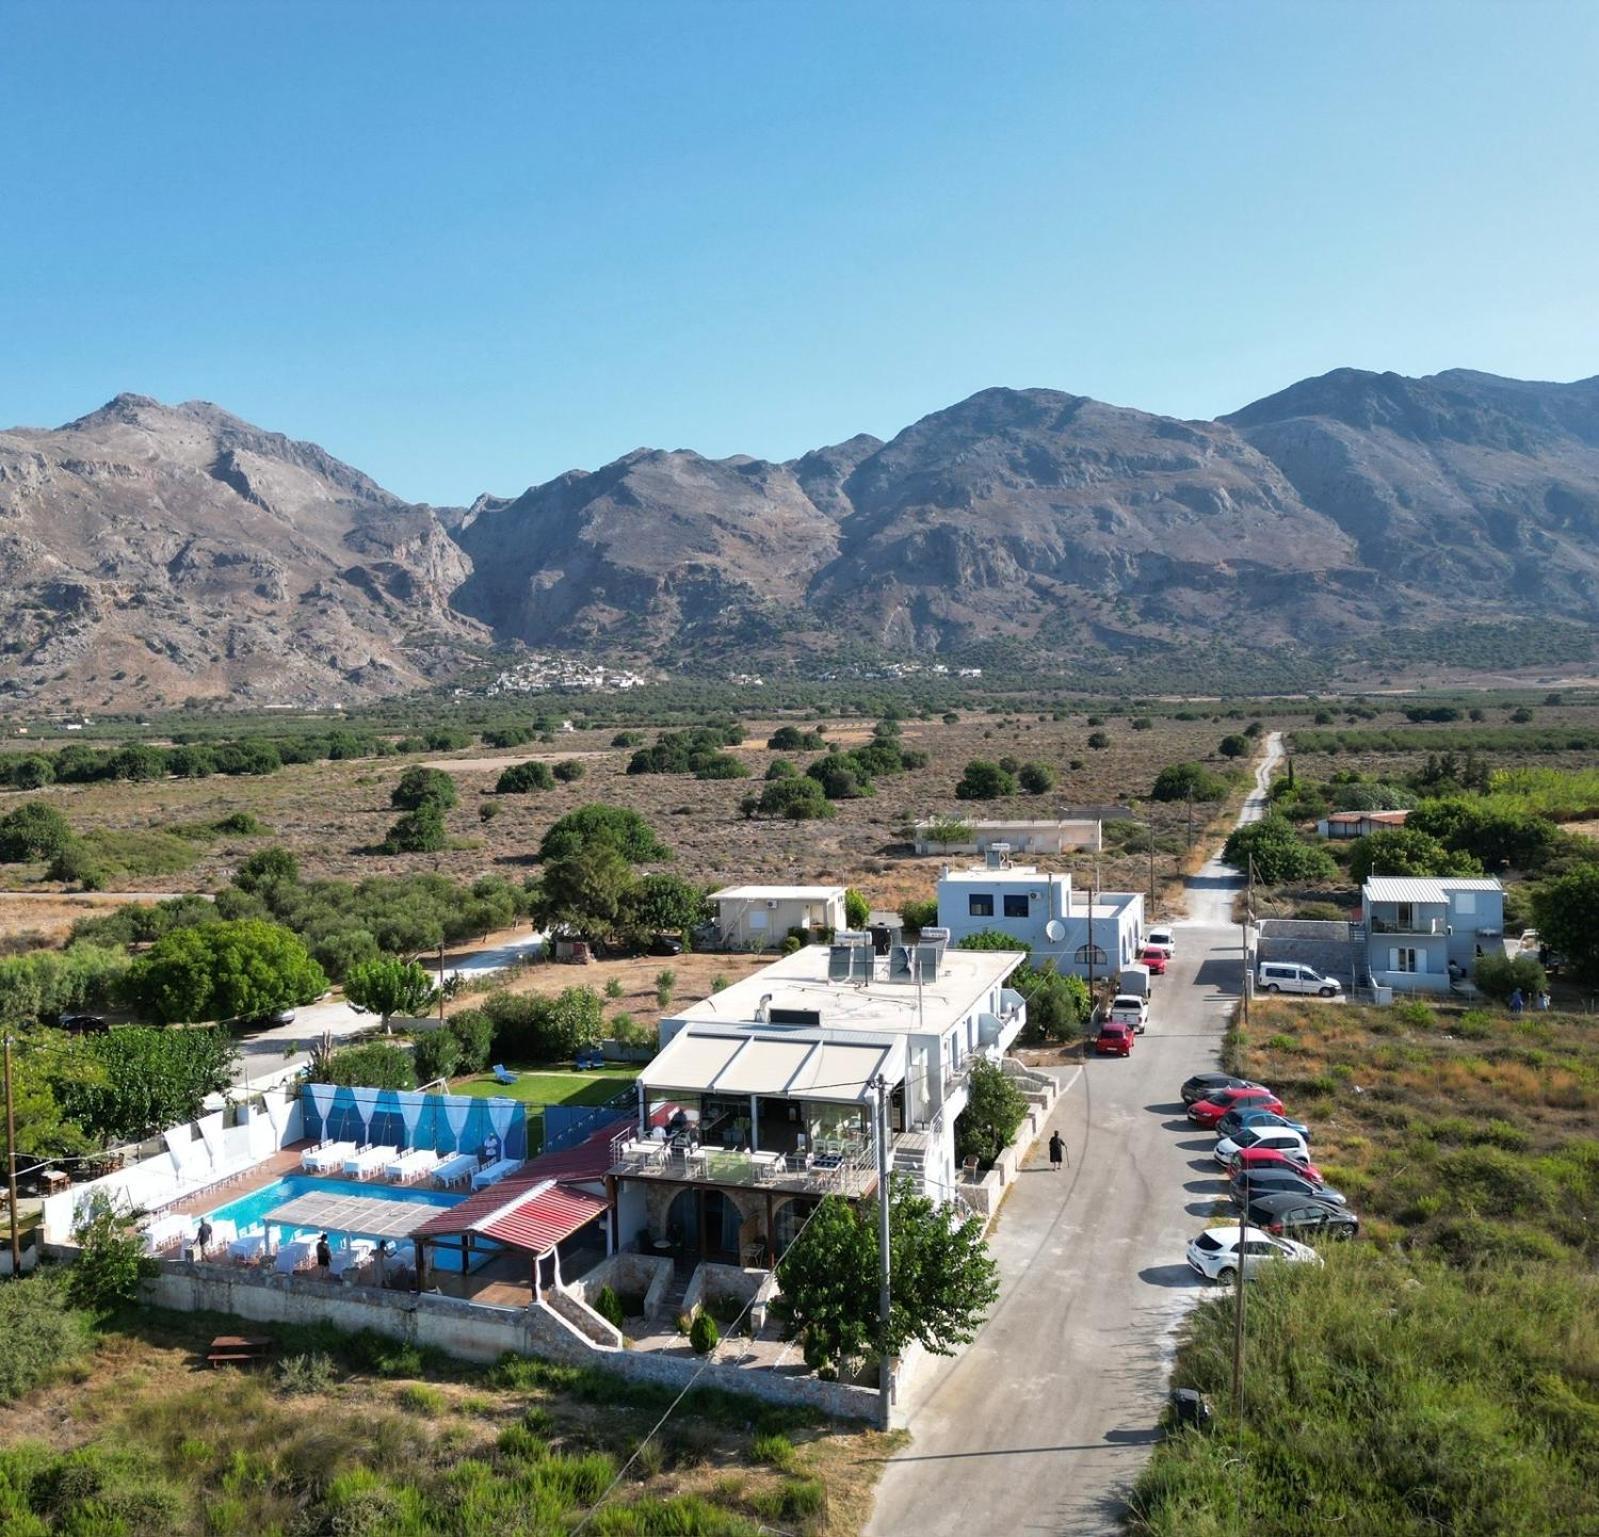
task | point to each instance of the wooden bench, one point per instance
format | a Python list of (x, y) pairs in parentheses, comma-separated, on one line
[(238, 1350)]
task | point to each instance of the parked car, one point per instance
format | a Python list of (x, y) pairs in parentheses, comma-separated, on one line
[(1153, 957), (1287, 1215), (1161, 939), (1201, 1085), (666, 944), (1114, 1039), (1218, 1252), (1206, 1112), (1288, 977), (83, 1024), (1135, 979), (1253, 1158), (1130, 1009), (1248, 1184), (1228, 1148), (1247, 1115)]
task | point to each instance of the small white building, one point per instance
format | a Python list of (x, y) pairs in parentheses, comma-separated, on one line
[(759, 917), (1021, 836), (1095, 934)]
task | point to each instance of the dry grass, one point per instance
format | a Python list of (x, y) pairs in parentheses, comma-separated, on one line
[(330, 813)]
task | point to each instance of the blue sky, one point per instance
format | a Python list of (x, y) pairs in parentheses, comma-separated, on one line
[(466, 246)]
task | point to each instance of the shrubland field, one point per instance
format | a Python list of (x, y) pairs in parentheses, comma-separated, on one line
[(1442, 1372)]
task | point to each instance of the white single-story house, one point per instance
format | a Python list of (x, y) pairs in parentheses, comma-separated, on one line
[(1022, 837), (1422, 931), (1096, 936), (759, 917)]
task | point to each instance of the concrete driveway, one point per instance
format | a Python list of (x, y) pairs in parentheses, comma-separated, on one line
[(1044, 1423)]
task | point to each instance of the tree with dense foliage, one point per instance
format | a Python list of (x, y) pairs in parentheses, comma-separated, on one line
[(1491, 833), (995, 1110), (944, 1281), (437, 1054), (582, 893), (568, 771), (417, 832), (1098, 740), (267, 867), (373, 1065), (1178, 781), (420, 786), (984, 781), (794, 739), (40, 986), (721, 765), (389, 986), (661, 904), (111, 1259), (919, 913), (993, 939), (796, 800), (614, 826), (780, 768), (1406, 851), (856, 908), (47, 1065), (1234, 746), (1036, 778), (148, 1079), (521, 778), (841, 777), (1279, 854), (1566, 910), (1498, 975), (228, 970), (33, 830), (1058, 1004), (531, 1028)]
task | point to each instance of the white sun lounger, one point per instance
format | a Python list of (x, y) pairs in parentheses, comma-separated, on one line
[(319, 1160), (494, 1173), (456, 1170), (415, 1164), (369, 1160)]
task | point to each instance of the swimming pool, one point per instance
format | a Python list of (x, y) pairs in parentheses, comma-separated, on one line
[(251, 1210)]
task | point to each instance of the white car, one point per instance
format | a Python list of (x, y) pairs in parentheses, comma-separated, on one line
[(1130, 1009), (1279, 1137), (1289, 977), (1162, 939), (1215, 1254)]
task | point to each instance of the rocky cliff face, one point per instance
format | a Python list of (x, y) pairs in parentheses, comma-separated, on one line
[(152, 553)]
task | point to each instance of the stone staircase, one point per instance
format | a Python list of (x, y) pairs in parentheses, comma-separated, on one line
[(910, 1150)]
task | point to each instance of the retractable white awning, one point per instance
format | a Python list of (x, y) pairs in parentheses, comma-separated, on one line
[(803, 1068)]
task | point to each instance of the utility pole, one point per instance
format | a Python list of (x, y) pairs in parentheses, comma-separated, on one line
[(1149, 829), (441, 981), (1238, 1309), (1190, 799), (1244, 923), (11, 1166), (884, 1384)]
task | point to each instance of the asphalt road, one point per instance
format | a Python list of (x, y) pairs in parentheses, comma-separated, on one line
[(1044, 1422)]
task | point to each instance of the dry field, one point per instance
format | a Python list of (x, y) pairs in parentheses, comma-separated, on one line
[(331, 814)]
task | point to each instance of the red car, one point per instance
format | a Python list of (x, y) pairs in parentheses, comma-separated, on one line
[(1114, 1040), (1207, 1111), (1155, 959), (1275, 1158)]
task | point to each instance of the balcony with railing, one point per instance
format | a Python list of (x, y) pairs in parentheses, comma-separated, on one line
[(846, 1167), (1413, 921)]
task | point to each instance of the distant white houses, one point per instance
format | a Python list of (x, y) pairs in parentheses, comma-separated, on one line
[(1094, 935), (1360, 824), (1422, 932), (758, 917), (956, 835)]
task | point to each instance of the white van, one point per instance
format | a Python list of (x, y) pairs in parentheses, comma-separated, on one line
[(1288, 977)]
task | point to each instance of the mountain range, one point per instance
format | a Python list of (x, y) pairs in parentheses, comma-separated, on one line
[(150, 553)]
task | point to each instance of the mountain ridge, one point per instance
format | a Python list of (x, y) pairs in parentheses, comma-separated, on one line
[(157, 552)]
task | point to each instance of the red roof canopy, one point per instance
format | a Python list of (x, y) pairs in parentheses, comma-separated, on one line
[(532, 1216)]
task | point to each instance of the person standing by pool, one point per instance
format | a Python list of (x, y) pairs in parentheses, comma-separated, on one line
[(324, 1256), (202, 1236)]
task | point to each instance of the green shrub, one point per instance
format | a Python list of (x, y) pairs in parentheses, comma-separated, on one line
[(422, 1398), (33, 830), (521, 778), (1498, 975), (983, 780), (474, 1036), (568, 771), (421, 786), (437, 1055), (609, 1306), (774, 1449), (312, 1372), (703, 1335), (40, 1334), (418, 832)]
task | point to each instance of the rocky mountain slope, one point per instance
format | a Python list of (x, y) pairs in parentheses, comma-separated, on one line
[(151, 553)]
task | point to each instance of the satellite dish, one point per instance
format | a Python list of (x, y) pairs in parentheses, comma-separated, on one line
[(1055, 931)]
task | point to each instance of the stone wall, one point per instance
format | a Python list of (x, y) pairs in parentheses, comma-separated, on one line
[(1307, 942), (582, 1317), (626, 1271)]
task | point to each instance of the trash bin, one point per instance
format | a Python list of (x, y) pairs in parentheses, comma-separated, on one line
[(1190, 1410)]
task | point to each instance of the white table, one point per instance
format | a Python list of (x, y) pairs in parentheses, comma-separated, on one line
[(768, 1164), (644, 1151)]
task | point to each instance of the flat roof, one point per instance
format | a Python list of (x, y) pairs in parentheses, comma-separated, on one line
[(1410, 888), (778, 893), (989, 872), (1018, 822), (799, 982), (367, 1216)]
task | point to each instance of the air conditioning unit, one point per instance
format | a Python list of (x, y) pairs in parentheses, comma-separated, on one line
[(771, 902)]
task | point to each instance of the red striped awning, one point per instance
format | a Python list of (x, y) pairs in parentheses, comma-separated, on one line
[(534, 1218)]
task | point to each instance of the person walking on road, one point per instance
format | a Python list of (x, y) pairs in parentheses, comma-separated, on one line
[(1057, 1151)]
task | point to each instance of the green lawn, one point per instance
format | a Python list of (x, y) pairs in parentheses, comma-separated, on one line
[(553, 1088)]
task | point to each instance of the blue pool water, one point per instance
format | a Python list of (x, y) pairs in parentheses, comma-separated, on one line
[(248, 1210)]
